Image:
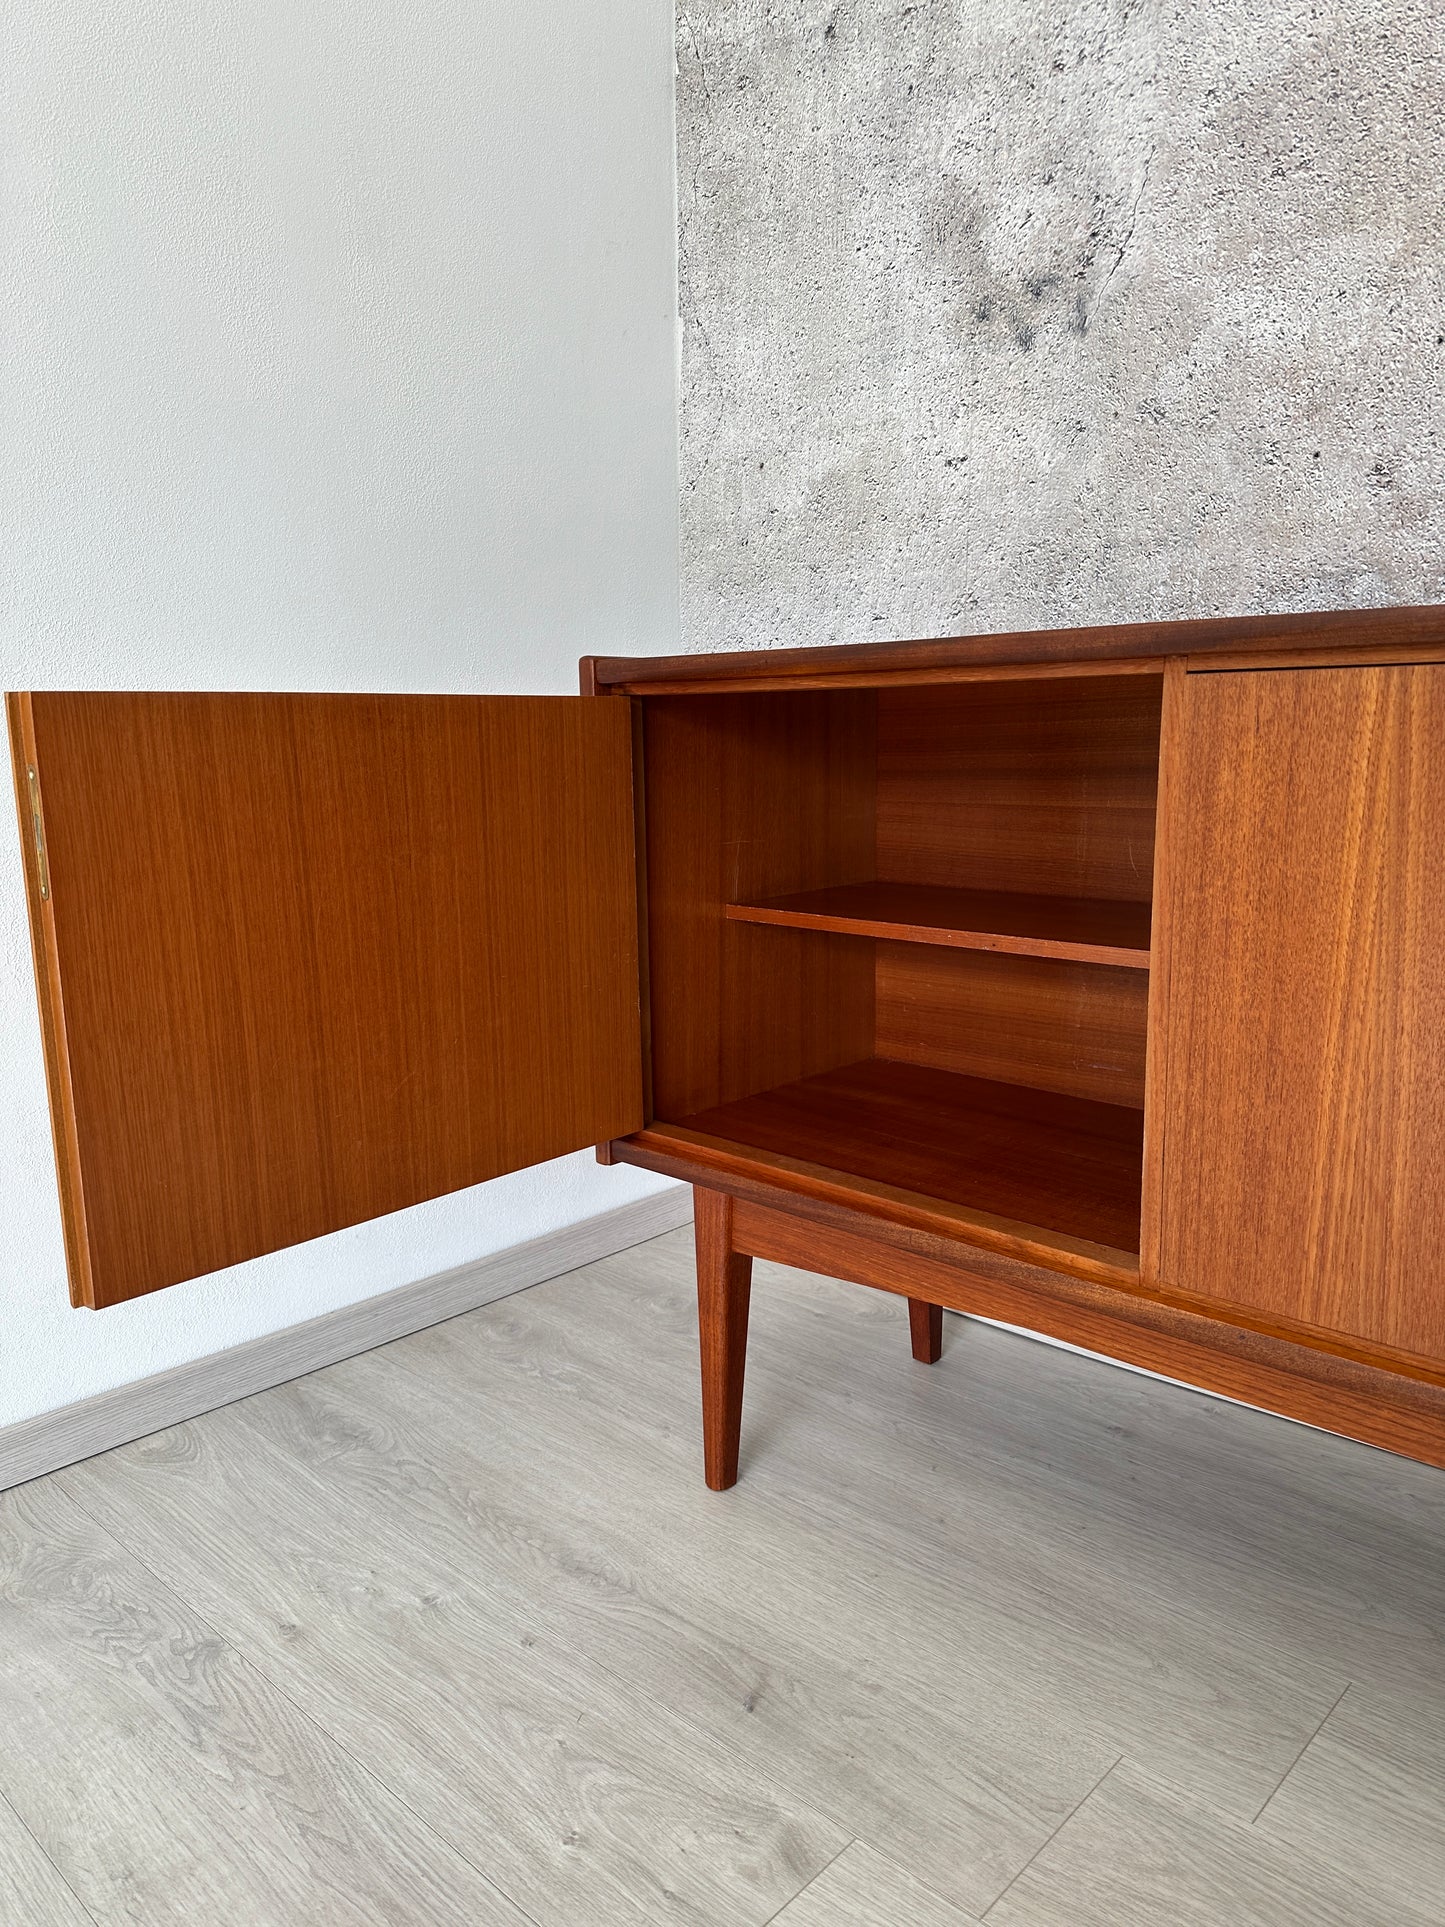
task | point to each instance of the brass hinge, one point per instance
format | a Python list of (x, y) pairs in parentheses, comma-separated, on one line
[(38, 826)]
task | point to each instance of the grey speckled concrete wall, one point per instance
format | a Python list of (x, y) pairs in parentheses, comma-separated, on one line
[(1015, 312)]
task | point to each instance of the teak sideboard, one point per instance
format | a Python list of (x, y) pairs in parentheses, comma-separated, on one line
[(1091, 980)]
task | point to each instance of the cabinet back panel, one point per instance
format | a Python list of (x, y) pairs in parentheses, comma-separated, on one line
[(309, 959), (1075, 1028), (749, 797), (1046, 787)]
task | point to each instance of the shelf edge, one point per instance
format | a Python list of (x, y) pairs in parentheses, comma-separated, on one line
[(1060, 949)]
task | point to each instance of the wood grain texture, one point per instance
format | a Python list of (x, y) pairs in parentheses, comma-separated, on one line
[(724, 1281), (1330, 656), (757, 682), (862, 1889), (1135, 1856), (1061, 1164), (1340, 1394), (644, 947), (753, 797), (723, 1708), (1304, 1032), (1260, 1539), (1305, 657), (1075, 1028), (586, 1798), (36, 1446), (1402, 628), (781, 1623), (1165, 839), (1259, 1555), (168, 1779), (310, 959), (1380, 1381), (925, 1330), (1336, 1360), (746, 1617), (32, 1893), (774, 1177), (1366, 1795), (41, 911), (1081, 928), (1046, 788)]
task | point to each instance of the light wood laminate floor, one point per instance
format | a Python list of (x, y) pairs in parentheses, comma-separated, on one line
[(454, 1633)]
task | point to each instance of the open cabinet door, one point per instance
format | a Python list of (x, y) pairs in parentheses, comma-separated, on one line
[(303, 960)]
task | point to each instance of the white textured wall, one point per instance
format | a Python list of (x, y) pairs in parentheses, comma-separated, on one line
[(339, 354)]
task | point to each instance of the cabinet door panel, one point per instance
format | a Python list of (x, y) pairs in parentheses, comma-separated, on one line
[(307, 959), (1303, 1106)]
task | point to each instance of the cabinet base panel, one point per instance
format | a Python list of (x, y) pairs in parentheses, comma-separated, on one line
[(1359, 1401), (1337, 1394)]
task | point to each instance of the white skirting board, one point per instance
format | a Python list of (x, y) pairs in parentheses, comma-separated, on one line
[(44, 1444)]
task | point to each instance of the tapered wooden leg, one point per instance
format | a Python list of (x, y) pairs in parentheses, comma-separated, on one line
[(724, 1287), (925, 1328)]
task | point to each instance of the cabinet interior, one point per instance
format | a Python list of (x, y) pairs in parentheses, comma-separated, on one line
[(902, 934)]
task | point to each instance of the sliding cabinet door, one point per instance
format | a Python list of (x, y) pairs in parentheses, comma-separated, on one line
[(307, 959), (1299, 1131)]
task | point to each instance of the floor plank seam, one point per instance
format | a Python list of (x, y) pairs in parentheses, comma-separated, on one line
[(536, 1470), (242, 1653), (614, 1676), (811, 1881), (1303, 1750), (604, 1669), (707, 1739), (40, 1848), (998, 1897)]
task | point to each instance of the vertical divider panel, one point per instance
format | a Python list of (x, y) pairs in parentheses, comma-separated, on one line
[(1166, 837), (749, 797)]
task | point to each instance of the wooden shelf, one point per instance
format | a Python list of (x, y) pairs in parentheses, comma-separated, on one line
[(1066, 1165), (1084, 929)]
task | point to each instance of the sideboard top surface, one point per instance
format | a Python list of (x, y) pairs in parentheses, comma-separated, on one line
[(1406, 629)]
